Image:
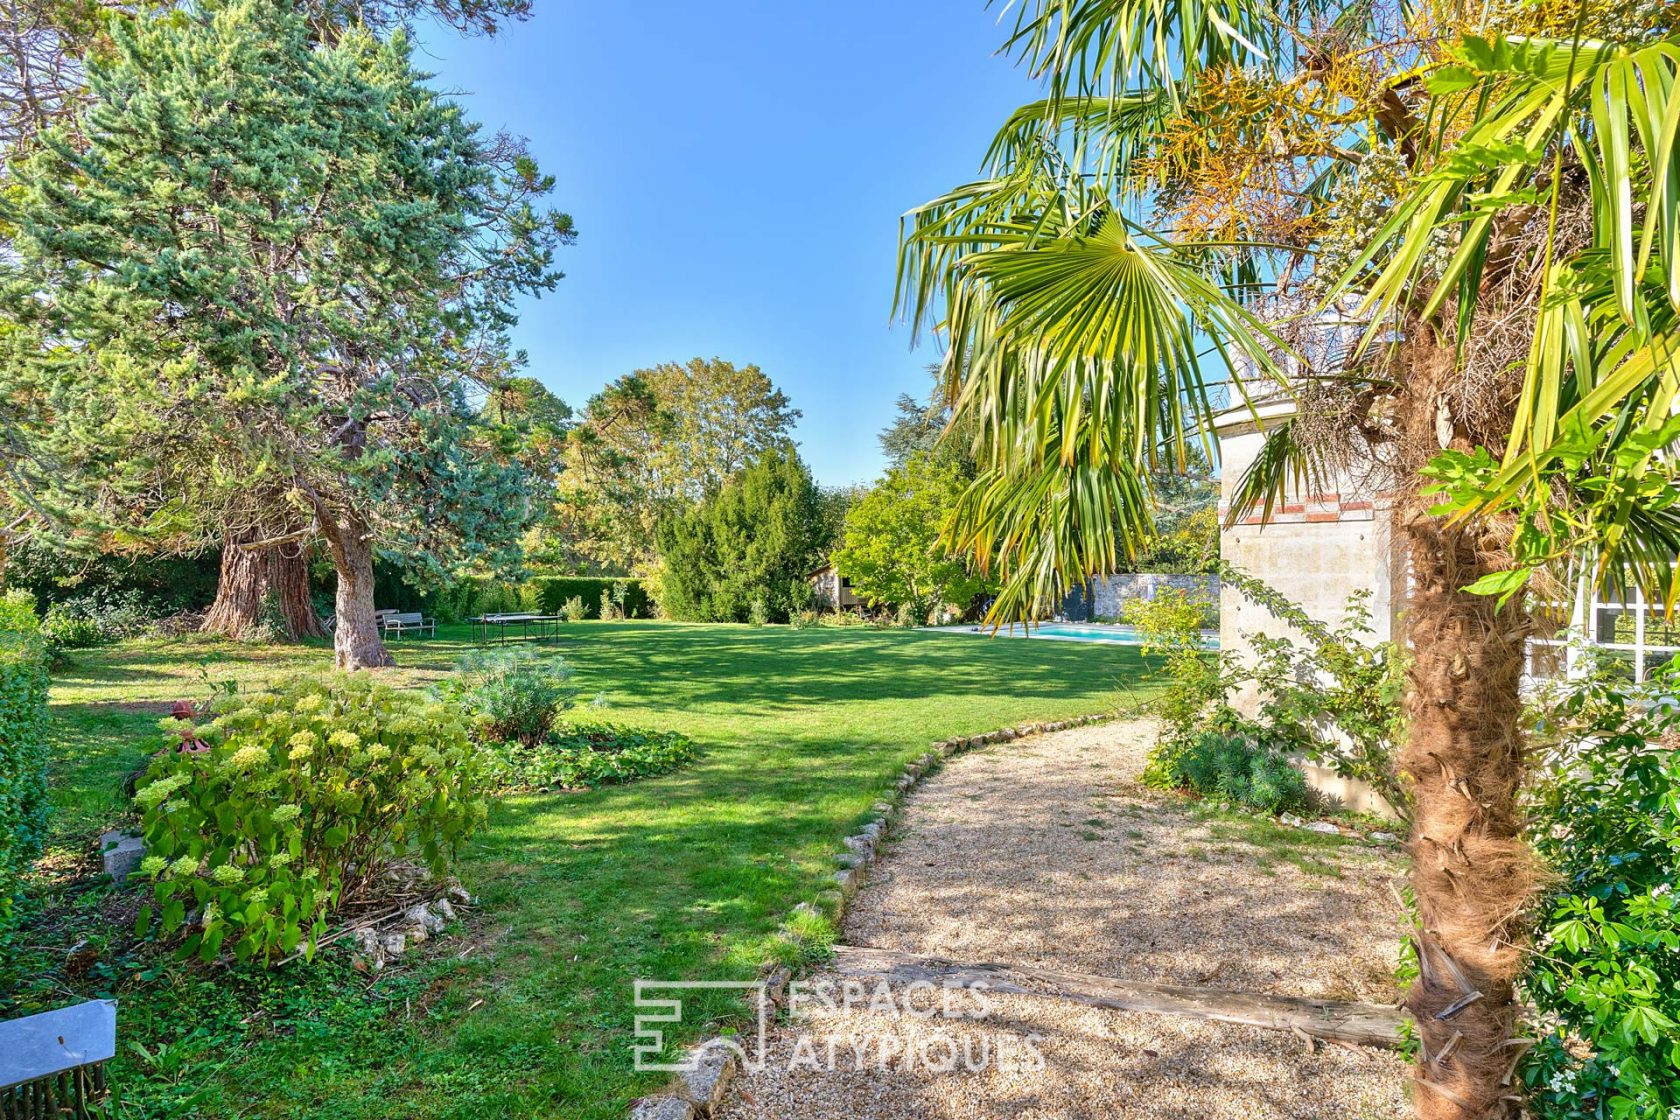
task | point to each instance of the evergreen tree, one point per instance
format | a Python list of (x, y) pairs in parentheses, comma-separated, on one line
[(756, 539), (929, 427), (266, 286)]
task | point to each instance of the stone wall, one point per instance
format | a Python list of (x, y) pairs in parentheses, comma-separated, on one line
[(1317, 549), (1110, 594)]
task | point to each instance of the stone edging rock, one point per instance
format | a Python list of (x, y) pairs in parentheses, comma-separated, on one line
[(701, 1090)]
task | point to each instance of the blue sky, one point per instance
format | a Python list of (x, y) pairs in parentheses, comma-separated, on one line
[(736, 170)]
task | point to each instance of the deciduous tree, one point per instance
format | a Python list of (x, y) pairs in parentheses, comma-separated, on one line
[(654, 443), (892, 549)]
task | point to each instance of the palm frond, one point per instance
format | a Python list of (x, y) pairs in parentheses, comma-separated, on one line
[(1282, 465), (1082, 47)]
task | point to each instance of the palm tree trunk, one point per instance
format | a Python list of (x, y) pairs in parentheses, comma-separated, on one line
[(1471, 872)]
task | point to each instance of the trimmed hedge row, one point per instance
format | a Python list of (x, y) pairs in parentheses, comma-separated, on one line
[(471, 596), (23, 749), (553, 591)]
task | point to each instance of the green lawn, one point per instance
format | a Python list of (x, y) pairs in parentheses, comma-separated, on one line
[(525, 1010)]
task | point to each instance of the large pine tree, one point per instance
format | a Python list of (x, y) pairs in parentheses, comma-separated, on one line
[(264, 285)]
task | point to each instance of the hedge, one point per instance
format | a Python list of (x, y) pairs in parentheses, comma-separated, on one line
[(463, 598), (553, 591), (23, 751)]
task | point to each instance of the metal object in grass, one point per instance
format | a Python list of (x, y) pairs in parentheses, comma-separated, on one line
[(53, 1064), (537, 627)]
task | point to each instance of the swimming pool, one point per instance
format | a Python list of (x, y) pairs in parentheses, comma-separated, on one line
[(1081, 632)]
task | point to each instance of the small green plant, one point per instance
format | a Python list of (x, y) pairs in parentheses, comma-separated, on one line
[(271, 621), (1335, 697), (1238, 770), (96, 618), (513, 694), (607, 610), (803, 619), (1194, 680), (1605, 976), (758, 612), (305, 796), (63, 630), (17, 613), (591, 754), (574, 610)]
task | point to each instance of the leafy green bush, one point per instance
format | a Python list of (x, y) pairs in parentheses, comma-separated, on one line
[(1193, 679), (629, 596), (23, 746), (1336, 697), (67, 631), (842, 620), (304, 798), (512, 693), (1236, 769), (1606, 978), (608, 610), (573, 609), (102, 615), (591, 755), (758, 612), (803, 619)]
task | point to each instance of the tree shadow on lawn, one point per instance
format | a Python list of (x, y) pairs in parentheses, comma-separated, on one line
[(684, 876), (782, 669)]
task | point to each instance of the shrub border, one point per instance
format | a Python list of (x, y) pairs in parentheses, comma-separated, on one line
[(701, 1090)]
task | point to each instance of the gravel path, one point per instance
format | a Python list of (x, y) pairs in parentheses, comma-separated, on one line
[(1048, 852)]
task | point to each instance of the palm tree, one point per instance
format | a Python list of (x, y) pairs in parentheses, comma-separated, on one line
[(1493, 198)]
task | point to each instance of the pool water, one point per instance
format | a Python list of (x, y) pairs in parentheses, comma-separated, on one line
[(1088, 632)]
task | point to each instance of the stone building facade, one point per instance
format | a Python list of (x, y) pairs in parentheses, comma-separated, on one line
[(1317, 548)]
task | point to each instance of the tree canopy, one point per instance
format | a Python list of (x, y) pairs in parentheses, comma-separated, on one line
[(268, 285), (654, 443), (892, 550), (752, 541)]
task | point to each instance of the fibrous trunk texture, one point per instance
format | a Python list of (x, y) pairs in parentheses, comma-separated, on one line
[(1471, 872), (250, 579), (356, 643)]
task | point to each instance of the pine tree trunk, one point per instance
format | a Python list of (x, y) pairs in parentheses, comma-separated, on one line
[(247, 580), (356, 643), (1471, 872)]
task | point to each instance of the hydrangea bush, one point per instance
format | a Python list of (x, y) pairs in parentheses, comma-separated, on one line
[(305, 795), (1605, 975)]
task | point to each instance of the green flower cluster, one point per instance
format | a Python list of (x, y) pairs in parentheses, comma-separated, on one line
[(307, 793)]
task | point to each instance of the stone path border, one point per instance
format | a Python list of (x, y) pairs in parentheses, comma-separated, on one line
[(713, 1063)]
